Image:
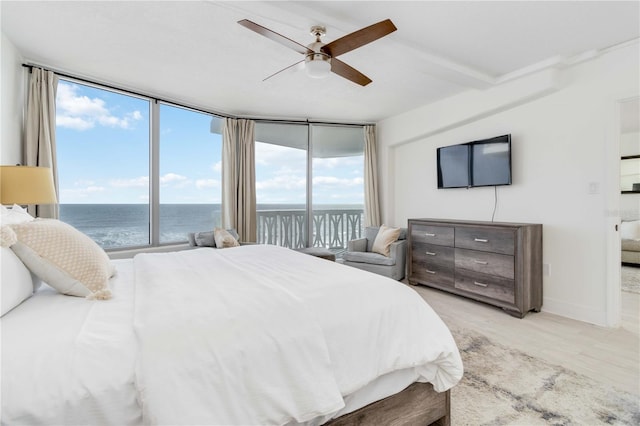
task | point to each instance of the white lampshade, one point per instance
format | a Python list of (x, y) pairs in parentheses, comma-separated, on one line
[(26, 185), (318, 68)]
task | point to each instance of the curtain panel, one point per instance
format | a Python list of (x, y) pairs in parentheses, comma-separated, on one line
[(229, 214), (40, 132), (247, 226), (371, 198), (238, 178)]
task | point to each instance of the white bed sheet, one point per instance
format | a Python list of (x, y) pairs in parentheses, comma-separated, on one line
[(371, 326), (68, 360)]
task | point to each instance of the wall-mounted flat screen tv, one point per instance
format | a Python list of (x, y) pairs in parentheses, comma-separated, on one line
[(485, 162)]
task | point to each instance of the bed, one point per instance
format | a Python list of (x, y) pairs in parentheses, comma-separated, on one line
[(247, 335)]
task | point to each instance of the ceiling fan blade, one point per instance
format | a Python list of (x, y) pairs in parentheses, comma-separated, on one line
[(272, 35), (348, 72), (359, 38), (283, 69)]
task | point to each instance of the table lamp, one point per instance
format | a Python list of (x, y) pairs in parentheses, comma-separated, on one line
[(24, 185)]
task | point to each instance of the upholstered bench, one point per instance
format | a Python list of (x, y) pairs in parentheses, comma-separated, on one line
[(318, 252)]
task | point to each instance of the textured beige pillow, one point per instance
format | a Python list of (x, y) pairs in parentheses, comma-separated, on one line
[(386, 236), (224, 239), (64, 258)]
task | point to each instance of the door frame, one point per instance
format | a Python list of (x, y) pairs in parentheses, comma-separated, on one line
[(612, 209)]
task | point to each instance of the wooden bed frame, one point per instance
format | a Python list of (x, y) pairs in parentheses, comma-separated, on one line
[(418, 404)]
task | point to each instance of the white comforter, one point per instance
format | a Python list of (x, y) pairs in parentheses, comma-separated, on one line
[(264, 335)]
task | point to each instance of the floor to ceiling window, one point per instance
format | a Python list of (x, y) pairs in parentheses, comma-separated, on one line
[(133, 171), (190, 173), (102, 148), (301, 204), (337, 185), (281, 183)]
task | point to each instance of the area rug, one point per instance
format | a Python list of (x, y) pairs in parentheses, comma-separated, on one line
[(630, 279), (503, 386)]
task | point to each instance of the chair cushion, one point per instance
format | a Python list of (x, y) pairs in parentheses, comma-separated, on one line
[(386, 236), (631, 245), (373, 258), (224, 238), (207, 238), (370, 234)]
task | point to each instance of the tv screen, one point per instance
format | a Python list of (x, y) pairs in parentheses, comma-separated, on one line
[(485, 162), (453, 166)]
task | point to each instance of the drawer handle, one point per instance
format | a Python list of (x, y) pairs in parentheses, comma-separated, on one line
[(429, 234), (480, 262), (480, 284), (430, 253), (429, 271), (481, 240)]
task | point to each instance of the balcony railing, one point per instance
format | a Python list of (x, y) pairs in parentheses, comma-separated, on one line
[(331, 229)]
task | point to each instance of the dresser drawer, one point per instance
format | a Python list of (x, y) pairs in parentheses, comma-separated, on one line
[(439, 235), (485, 285), (501, 265), (433, 272), (486, 239), (430, 254)]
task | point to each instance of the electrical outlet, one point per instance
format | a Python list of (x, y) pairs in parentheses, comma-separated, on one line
[(546, 269)]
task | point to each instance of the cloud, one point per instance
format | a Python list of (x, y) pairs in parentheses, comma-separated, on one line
[(73, 122), (207, 183), (79, 193), (275, 156), (342, 162), (282, 182), (82, 113), (130, 183), (335, 181), (172, 178), (217, 167)]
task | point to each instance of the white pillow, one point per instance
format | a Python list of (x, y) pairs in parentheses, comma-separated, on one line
[(17, 281), (386, 236), (64, 258), (224, 239), (630, 230), (14, 215)]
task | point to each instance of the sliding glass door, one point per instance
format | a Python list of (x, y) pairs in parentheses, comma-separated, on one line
[(309, 184), (281, 183), (337, 186)]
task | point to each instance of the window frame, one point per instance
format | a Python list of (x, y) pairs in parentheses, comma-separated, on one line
[(153, 158), (154, 153)]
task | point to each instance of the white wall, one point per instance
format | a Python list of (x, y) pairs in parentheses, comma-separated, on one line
[(11, 102), (561, 126)]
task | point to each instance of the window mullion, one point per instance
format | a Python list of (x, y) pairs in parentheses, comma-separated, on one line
[(309, 241), (154, 172)]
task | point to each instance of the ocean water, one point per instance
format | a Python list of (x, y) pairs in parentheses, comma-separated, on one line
[(127, 225)]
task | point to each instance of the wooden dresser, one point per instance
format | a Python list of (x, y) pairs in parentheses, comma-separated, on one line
[(492, 262)]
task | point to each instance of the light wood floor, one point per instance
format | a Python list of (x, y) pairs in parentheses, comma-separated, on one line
[(611, 356)]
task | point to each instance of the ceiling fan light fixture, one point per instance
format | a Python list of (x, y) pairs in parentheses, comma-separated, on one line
[(318, 65)]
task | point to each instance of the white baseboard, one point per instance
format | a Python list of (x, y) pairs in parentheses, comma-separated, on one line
[(574, 311)]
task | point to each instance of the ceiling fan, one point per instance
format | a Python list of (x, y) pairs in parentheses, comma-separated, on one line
[(321, 58)]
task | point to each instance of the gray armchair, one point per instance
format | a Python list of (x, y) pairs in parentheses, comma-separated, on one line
[(359, 255)]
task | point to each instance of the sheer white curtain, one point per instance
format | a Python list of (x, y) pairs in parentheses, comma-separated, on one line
[(40, 132), (228, 214), (238, 178), (371, 200)]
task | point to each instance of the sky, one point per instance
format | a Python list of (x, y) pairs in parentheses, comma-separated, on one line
[(102, 140)]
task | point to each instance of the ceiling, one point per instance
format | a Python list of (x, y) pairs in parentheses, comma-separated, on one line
[(195, 53)]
